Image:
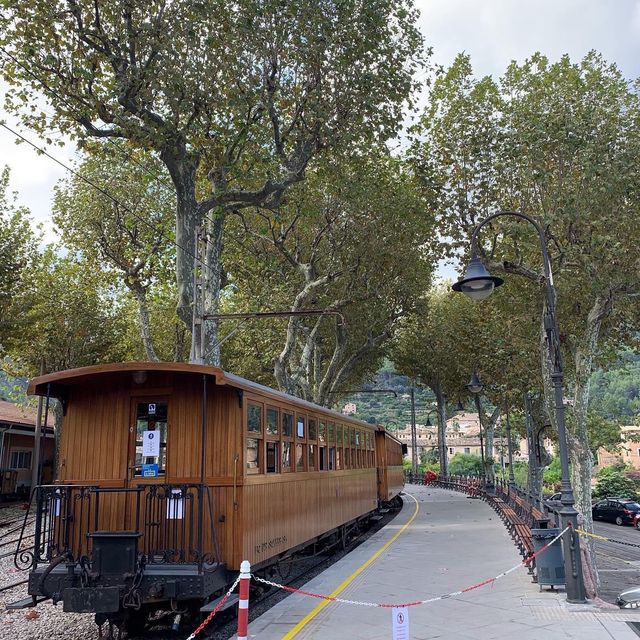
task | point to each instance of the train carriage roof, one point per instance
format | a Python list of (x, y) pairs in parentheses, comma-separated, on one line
[(58, 382)]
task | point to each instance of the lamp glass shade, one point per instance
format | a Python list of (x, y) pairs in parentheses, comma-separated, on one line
[(475, 386), (477, 282)]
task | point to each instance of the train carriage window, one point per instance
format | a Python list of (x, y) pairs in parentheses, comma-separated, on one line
[(331, 433), (312, 456), (322, 451), (253, 455), (339, 434), (273, 457), (286, 456), (324, 462), (300, 431), (287, 424), (313, 433), (272, 421), (151, 417), (254, 418), (332, 458), (300, 457)]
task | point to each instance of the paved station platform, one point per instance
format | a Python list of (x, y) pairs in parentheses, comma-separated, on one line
[(446, 542)]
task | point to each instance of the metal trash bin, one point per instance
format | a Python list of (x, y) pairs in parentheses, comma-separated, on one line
[(550, 564)]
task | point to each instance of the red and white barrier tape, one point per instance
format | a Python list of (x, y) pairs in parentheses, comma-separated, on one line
[(320, 596)]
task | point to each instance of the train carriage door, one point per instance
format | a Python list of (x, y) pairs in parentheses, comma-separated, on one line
[(148, 441)]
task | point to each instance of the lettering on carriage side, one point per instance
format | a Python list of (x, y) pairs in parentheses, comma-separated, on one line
[(270, 544)]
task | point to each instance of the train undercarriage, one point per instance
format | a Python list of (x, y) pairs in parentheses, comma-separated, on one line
[(152, 566)]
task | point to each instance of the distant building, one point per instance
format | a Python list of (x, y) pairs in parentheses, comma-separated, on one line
[(17, 430), (349, 409), (628, 452), (462, 436)]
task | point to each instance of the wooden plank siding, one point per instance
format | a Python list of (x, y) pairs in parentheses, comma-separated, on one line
[(257, 515), (298, 507), (389, 463)]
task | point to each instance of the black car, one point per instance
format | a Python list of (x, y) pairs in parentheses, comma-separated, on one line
[(618, 510)]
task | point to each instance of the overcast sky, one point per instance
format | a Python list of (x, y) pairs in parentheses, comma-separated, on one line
[(493, 32)]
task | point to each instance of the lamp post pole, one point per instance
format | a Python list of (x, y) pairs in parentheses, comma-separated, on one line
[(512, 479), (479, 284), (414, 438), (484, 467)]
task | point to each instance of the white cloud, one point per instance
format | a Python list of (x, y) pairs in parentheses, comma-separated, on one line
[(494, 32)]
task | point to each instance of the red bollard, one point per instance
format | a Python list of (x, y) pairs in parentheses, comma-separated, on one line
[(243, 604)]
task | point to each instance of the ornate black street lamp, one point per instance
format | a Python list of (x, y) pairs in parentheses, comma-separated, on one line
[(478, 284)]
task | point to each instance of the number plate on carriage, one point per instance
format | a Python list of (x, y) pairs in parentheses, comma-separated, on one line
[(91, 600)]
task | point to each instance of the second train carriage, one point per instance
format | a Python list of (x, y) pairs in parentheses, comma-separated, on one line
[(170, 474)]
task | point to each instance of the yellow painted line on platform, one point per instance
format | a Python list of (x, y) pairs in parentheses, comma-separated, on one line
[(343, 585)]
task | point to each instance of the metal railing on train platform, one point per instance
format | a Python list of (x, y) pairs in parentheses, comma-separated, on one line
[(169, 519), (526, 505)]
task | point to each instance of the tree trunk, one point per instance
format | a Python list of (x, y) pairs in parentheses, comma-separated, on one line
[(212, 285), (140, 294), (489, 433), (579, 451), (182, 167)]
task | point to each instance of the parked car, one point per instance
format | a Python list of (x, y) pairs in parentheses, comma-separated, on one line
[(554, 501), (618, 510)]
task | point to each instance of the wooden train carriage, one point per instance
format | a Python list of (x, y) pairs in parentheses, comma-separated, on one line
[(389, 463), (195, 467)]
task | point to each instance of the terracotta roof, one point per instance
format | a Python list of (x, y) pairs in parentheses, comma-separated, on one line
[(14, 414)]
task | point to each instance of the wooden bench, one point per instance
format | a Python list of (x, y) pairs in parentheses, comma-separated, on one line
[(518, 529)]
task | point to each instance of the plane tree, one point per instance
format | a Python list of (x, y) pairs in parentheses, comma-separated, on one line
[(128, 232), (18, 249), (351, 239), (235, 99), (449, 336), (558, 141)]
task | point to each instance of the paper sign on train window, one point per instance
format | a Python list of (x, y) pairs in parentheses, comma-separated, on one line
[(150, 443)]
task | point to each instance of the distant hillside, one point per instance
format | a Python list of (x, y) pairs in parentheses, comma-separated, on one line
[(387, 409), (615, 393)]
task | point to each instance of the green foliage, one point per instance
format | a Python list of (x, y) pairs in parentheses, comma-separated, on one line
[(236, 99), (602, 433), (465, 464), (521, 473), (552, 475), (71, 318), (615, 392), (18, 244), (612, 481), (430, 457)]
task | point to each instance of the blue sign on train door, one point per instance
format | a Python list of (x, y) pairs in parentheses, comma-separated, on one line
[(149, 470)]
